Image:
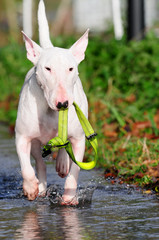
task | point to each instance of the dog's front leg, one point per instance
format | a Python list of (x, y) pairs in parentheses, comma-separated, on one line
[(40, 166), (30, 182), (69, 196)]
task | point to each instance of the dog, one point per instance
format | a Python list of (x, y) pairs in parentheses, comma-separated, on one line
[(53, 83)]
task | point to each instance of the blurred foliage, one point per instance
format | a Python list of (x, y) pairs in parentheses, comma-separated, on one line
[(121, 81), (13, 67)]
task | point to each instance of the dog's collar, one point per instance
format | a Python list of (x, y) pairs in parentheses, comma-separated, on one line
[(61, 140)]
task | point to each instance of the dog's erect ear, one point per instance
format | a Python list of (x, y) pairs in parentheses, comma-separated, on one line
[(33, 49), (78, 49)]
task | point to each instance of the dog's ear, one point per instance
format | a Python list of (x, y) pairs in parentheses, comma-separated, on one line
[(78, 49), (33, 49)]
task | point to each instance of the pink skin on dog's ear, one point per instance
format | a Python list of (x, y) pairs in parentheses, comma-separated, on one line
[(33, 49), (78, 49)]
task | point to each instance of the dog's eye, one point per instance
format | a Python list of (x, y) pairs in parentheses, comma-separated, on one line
[(71, 69), (48, 69)]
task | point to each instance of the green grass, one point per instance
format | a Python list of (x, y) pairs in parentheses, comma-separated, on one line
[(121, 81)]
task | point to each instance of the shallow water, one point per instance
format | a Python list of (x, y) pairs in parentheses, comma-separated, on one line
[(105, 212)]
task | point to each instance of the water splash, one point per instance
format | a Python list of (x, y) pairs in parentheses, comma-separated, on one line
[(84, 195)]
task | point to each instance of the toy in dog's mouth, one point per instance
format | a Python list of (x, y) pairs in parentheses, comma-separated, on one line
[(61, 140)]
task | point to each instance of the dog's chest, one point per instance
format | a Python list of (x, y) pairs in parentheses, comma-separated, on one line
[(48, 127)]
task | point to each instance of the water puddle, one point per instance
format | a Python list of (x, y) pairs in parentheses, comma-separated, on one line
[(105, 211)]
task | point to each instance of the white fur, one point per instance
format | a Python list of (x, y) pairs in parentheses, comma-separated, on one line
[(54, 78)]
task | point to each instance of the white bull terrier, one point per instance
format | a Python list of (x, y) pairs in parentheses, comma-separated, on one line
[(52, 83)]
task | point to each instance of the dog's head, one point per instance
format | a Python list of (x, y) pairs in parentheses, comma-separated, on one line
[(57, 70)]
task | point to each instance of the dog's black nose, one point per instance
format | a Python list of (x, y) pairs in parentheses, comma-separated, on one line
[(65, 104), (62, 105), (59, 105)]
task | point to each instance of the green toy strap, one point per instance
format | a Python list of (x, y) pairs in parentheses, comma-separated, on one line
[(63, 124), (61, 140)]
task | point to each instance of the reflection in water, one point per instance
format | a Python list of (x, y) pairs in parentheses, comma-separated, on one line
[(71, 226), (30, 228), (36, 222), (115, 213)]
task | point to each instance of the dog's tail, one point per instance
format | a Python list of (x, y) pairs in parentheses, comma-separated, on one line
[(44, 36)]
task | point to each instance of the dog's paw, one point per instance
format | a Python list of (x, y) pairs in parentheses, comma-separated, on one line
[(62, 164), (67, 201), (31, 188), (69, 197), (42, 189)]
